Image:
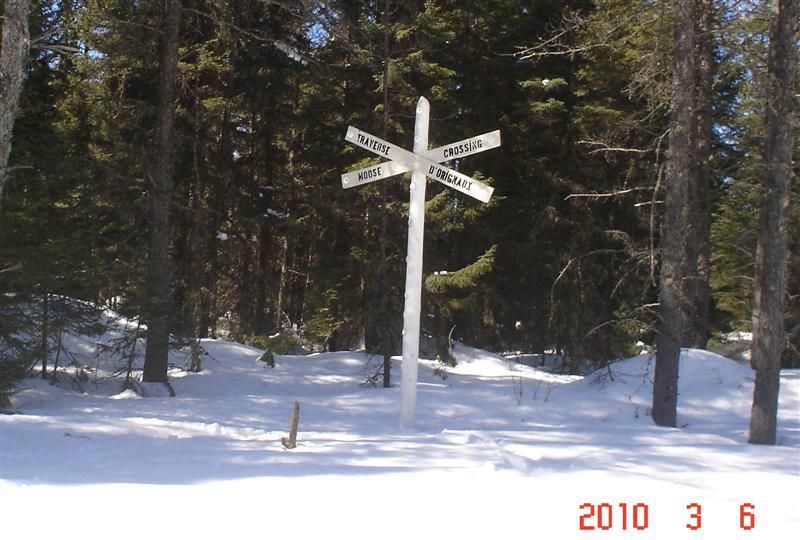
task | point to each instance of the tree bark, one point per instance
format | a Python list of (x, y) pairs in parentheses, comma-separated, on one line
[(282, 282), (384, 304), (699, 256), (44, 347), (13, 55), (772, 254), (675, 306), (161, 187), (261, 325), (290, 442), (199, 250)]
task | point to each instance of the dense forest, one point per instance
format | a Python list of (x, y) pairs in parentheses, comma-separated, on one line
[(180, 160)]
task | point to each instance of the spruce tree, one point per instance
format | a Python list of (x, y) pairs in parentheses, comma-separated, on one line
[(674, 308), (160, 171), (13, 58), (769, 335)]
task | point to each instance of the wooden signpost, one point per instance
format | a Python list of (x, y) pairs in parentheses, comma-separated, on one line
[(422, 163)]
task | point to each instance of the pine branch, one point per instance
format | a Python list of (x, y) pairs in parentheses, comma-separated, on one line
[(609, 194), (604, 147), (17, 266)]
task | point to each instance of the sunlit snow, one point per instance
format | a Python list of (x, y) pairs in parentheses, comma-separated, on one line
[(500, 450)]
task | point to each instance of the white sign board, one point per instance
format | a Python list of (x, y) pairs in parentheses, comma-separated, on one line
[(421, 164), (456, 150)]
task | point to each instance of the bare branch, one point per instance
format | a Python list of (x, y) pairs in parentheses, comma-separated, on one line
[(61, 49), (647, 203), (646, 308), (17, 266), (654, 221), (604, 147), (605, 195), (529, 53), (572, 22), (564, 271), (239, 29)]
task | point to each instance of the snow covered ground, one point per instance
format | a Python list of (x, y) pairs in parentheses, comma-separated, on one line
[(500, 450)]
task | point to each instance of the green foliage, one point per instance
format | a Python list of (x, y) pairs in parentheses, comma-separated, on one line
[(264, 238), (464, 278), (282, 343), (12, 371), (16, 349), (322, 325), (268, 357), (457, 299), (734, 236), (735, 221), (31, 328), (549, 106), (628, 331)]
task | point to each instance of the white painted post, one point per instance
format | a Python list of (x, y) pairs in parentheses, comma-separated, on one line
[(413, 295), (424, 163)]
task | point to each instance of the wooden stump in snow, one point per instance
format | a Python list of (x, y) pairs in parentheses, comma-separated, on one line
[(291, 441)]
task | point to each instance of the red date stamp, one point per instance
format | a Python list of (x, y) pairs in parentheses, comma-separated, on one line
[(605, 516), (625, 516)]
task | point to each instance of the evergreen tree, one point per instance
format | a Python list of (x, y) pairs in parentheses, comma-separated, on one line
[(735, 226), (262, 238), (772, 254), (160, 181), (675, 308), (13, 57), (49, 223), (598, 94)]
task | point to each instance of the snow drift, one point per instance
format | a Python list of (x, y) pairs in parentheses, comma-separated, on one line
[(499, 448)]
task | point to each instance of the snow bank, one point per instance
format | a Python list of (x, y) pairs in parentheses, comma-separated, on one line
[(500, 449)]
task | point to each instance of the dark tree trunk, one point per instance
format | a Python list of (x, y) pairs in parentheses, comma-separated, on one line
[(382, 282), (45, 349), (199, 250), (207, 318), (772, 254), (699, 256), (161, 187), (675, 305), (13, 55), (282, 281), (261, 325), (244, 293)]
